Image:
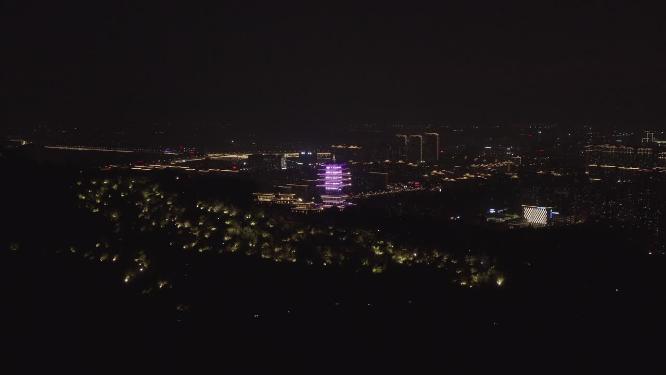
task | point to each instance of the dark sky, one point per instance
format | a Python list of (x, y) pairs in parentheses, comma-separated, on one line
[(93, 63)]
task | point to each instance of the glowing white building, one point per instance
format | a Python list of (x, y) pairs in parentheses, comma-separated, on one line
[(538, 215)]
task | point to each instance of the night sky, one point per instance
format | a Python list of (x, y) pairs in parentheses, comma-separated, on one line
[(94, 64)]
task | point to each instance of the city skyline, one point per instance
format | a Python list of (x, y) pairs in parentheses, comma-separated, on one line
[(375, 187)]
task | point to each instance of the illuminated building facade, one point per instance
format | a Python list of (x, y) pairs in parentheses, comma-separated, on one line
[(307, 207), (335, 179), (276, 198), (538, 215)]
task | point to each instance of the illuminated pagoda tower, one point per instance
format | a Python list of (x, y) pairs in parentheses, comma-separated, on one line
[(335, 179)]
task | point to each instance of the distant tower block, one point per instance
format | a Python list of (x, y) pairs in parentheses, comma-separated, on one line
[(399, 147), (431, 147), (415, 148)]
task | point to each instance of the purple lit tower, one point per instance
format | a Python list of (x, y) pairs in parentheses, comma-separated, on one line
[(335, 179)]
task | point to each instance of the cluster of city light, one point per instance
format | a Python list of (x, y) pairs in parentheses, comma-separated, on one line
[(139, 205), (154, 167), (391, 189), (498, 165), (106, 149), (88, 148), (297, 204)]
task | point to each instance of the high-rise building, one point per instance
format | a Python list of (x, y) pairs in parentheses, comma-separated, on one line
[(399, 147), (415, 148), (431, 147), (335, 179)]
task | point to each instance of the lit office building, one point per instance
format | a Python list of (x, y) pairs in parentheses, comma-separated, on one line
[(335, 179), (325, 157), (538, 215), (431, 147)]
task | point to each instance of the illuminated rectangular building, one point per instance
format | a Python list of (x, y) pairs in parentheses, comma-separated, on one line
[(415, 148), (399, 147), (538, 215), (431, 147), (275, 198)]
